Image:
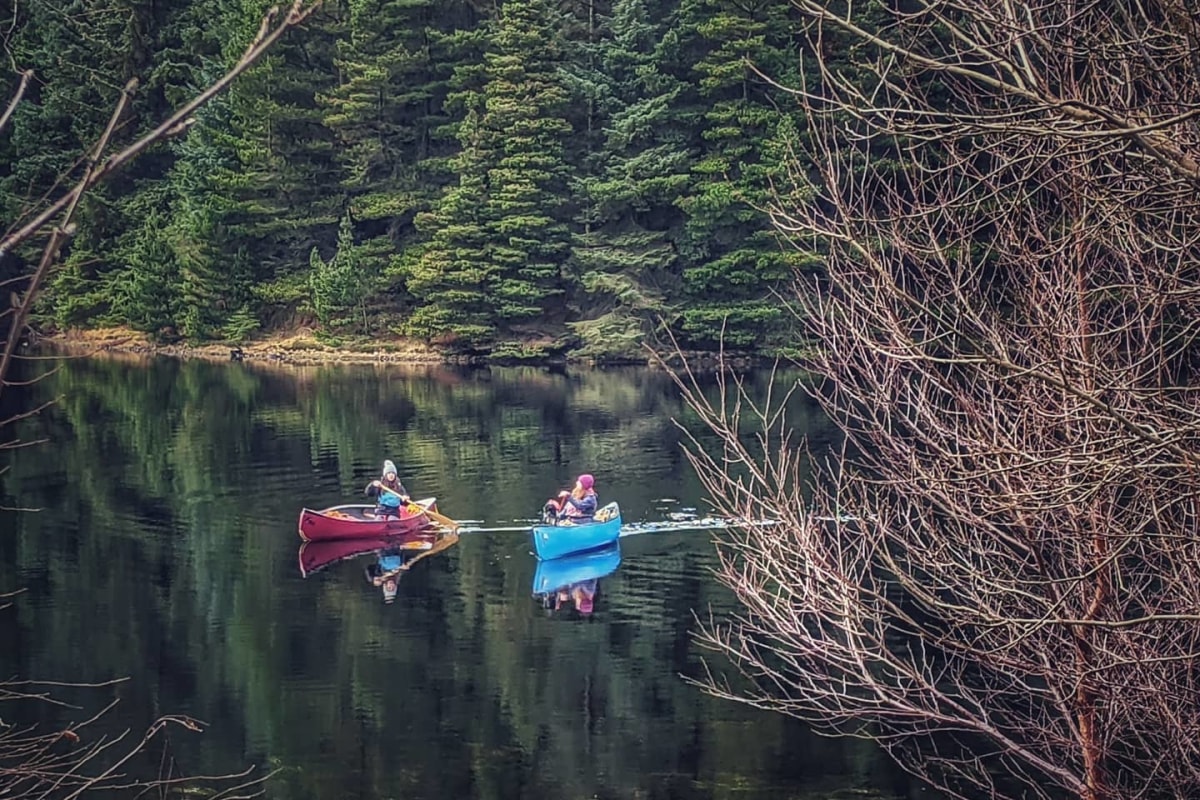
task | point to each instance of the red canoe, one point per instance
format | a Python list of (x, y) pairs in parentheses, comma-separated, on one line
[(359, 522), (316, 556)]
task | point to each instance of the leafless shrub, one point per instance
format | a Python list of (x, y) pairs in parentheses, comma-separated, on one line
[(1004, 558), (75, 758)]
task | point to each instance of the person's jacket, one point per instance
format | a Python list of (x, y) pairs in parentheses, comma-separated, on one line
[(580, 508), (386, 498)]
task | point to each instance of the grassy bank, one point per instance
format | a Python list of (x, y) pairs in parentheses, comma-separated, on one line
[(303, 348)]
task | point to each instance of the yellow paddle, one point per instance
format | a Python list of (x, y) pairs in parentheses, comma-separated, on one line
[(440, 519)]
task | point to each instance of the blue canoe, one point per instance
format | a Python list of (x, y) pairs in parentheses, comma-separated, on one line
[(566, 538), (560, 573)]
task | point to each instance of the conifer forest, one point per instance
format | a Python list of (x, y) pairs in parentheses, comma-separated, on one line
[(513, 179)]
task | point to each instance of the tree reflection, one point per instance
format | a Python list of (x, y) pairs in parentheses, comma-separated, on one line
[(174, 497)]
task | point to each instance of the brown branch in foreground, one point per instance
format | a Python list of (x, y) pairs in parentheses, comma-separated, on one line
[(73, 759), (68, 761), (269, 32), (26, 77)]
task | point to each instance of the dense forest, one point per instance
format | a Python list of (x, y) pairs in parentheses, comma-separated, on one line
[(515, 179)]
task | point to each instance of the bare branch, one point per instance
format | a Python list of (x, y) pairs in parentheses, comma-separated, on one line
[(26, 77), (1002, 554)]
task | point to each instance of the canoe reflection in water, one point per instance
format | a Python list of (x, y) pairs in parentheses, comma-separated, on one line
[(393, 555), (573, 581)]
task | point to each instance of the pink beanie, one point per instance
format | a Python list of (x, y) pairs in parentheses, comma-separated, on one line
[(587, 481)]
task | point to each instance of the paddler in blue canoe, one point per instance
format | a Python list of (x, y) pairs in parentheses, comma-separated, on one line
[(577, 505), (389, 493)]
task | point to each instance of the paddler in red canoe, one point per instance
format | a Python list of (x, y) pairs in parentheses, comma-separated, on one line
[(389, 493)]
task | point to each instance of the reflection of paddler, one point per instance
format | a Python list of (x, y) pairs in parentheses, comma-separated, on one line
[(585, 596), (392, 562), (385, 572), (582, 594)]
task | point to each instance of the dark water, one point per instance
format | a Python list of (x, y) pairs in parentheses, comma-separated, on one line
[(167, 552)]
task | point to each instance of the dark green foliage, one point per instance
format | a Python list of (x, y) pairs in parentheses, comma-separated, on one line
[(507, 180), (523, 133), (499, 239), (146, 293), (625, 257), (339, 287), (734, 258), (394, 65), (453, 273)]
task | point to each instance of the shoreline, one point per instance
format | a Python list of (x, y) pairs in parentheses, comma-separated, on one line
[(302, 349)]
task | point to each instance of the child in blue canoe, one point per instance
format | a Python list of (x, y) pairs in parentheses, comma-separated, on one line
[(389, 493)]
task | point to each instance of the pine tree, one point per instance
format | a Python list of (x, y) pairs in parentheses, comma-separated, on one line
[(499, 239), (626, 259), (387, 111), (734, 257), (391, 125), (452, 274), (339, 287), (83, 54), (523, 129), (216, 274), (275, 202), (145, 293)]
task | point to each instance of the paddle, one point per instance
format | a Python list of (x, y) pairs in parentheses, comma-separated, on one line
[(440, 519)]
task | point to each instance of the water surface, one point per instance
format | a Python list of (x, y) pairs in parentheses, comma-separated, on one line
[(166, 551)]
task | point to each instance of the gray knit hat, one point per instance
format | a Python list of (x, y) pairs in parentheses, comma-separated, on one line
[(388, 466)]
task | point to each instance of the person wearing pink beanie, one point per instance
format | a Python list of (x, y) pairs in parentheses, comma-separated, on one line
[(579, 504)]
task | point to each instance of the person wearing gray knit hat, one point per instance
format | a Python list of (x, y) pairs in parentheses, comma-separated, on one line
[(389, 493)]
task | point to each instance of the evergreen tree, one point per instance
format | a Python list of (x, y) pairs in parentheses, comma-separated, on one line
[(216, 271), (594, 165), (145, 293), (276, 202), (339, 287), (389, 118), (587, 38), (387, 112), (452, 275), (627, 260), (83, 54), (524, 133), (734, 257), (500, 238)]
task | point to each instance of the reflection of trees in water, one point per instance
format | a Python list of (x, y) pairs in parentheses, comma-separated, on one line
[(195, 472)]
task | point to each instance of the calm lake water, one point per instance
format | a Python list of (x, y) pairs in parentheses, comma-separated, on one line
[(166, 551)]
